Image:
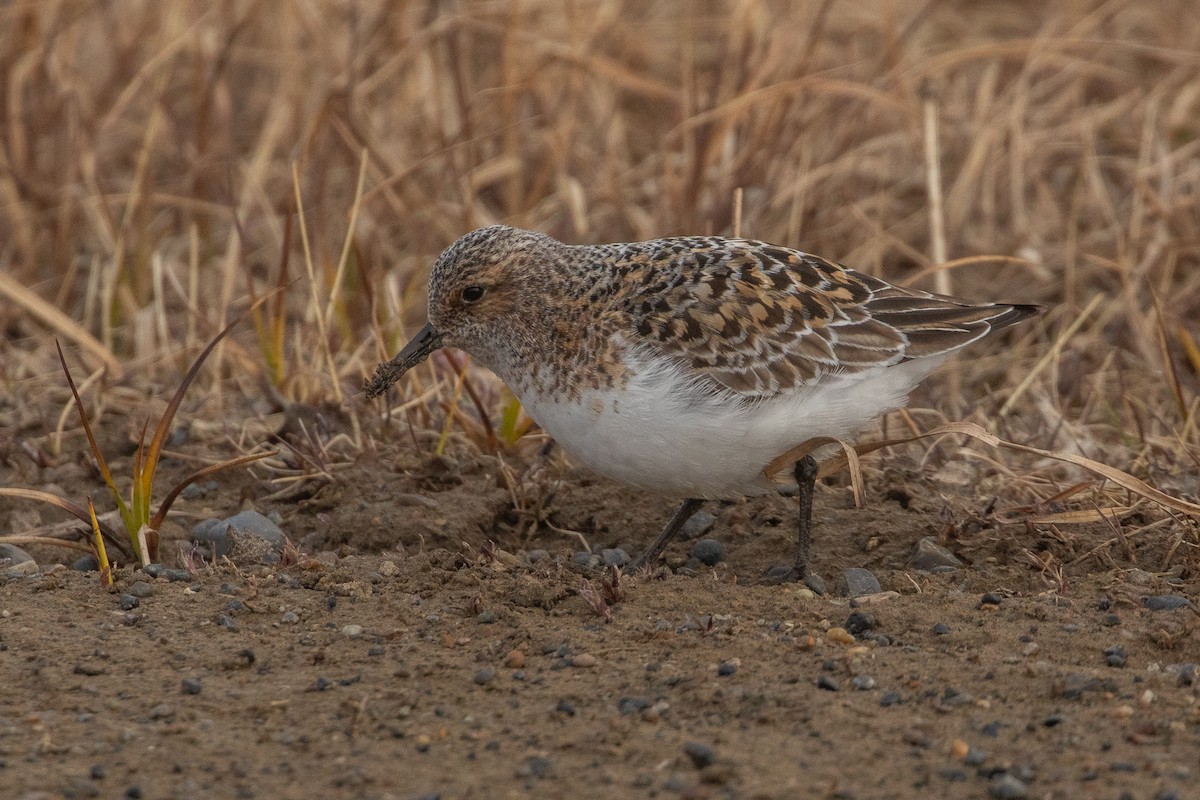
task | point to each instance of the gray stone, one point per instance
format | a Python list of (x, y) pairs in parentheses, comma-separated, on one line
[(857, 581), (1008, 787), (699, 524), (614, 557), (14, 553), (141, 589), (1165, 602), (701, 755), (709, 552), (86, 563), (930, 555)]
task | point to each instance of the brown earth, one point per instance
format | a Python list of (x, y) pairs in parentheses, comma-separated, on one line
[(411, 649)]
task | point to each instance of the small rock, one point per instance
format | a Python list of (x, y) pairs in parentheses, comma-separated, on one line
[(534, 767), (227, 622), (726, 668), (565, 706), (389, 569), (587, 560), (614, 557), (515, 659), (701, 754), (352, 630), (827, 683), (177, 575), (486, 617), (1116, 656), (289, 618), (190, 686), (1165, 602), (15, 554), (840, 636), (1053, 720), (633, 705), (930, 555), (888, 699), (128, 602), (141, 589), (941, 629), (858, 581), (86, 563), (816, 583), (534, 556), (709, 552), (484, 676), (859, 622), (699, 524), (863, 683), (990, 599), (583, 660), (1008, 787)]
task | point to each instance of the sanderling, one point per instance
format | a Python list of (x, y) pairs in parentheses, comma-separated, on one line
[(686, 365)]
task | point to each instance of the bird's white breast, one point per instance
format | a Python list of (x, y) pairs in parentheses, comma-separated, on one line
[(664, 432)]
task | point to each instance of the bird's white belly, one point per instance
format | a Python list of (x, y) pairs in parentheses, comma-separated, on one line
[(663, 433)]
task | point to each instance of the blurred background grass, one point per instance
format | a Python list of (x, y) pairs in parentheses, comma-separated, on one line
[(161, 162)]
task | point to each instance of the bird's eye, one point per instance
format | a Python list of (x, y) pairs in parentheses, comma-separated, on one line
[(472, 294)]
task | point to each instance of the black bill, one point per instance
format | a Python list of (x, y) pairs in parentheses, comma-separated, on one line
[(425, 342)]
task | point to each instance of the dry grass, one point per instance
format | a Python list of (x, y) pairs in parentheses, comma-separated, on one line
[(162, 162)]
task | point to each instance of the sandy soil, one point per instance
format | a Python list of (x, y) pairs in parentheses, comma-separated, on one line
[(412, 650)]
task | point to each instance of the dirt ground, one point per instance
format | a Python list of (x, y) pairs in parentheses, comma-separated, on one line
[(411, 649)]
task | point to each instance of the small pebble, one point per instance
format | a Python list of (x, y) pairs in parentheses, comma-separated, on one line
[(1165, 602), (863, 683), (486, 617), (697, 525), (514, 659), (1008, 787), (841, 636), (888, 699), (726, 668), (484, 676), (1053, 720), (858, 581), (534, 556), (289, 618), (1116, 656), (352, 630), (128, 602), (190, 686), (633, 705), (701, 754), (614, 557), (534, 767), (583, 660), (388, 569), (930, 555), (565, 706), (816, 583), (227, 622), (859, 622), (709, 552), (941, 629), (990, 599), (827, 683)]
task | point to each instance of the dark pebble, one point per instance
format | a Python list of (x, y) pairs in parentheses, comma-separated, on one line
[(97, 772), (587, 560), (154, 570), (190, 686), (534, 767), (235, 605), (376, 650), (1116, 656), (86, 563), (697, 525), (486, 617), (709, 552), (888, 699), (701, 754), (128, 602), (1187, 674), (322, 683), (1123, 766), (133, 793), (141, 589), (974, 757), (484, 676), (226, 621), (1166, 794), (1165, 602), (859, 622), (827, 683), (991, 729), (633, 705), (726, 668), (1110, 620), (565, 706), (1007, 787), (990, 599), (1053, 720), (816, 583), (177, 575), (1074, 685), (857, 581), (941, 629)]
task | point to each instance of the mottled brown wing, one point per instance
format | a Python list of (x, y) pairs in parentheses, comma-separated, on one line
[(759, 320)]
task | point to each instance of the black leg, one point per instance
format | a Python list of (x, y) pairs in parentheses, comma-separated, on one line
[(682, 515), (806, 478)]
